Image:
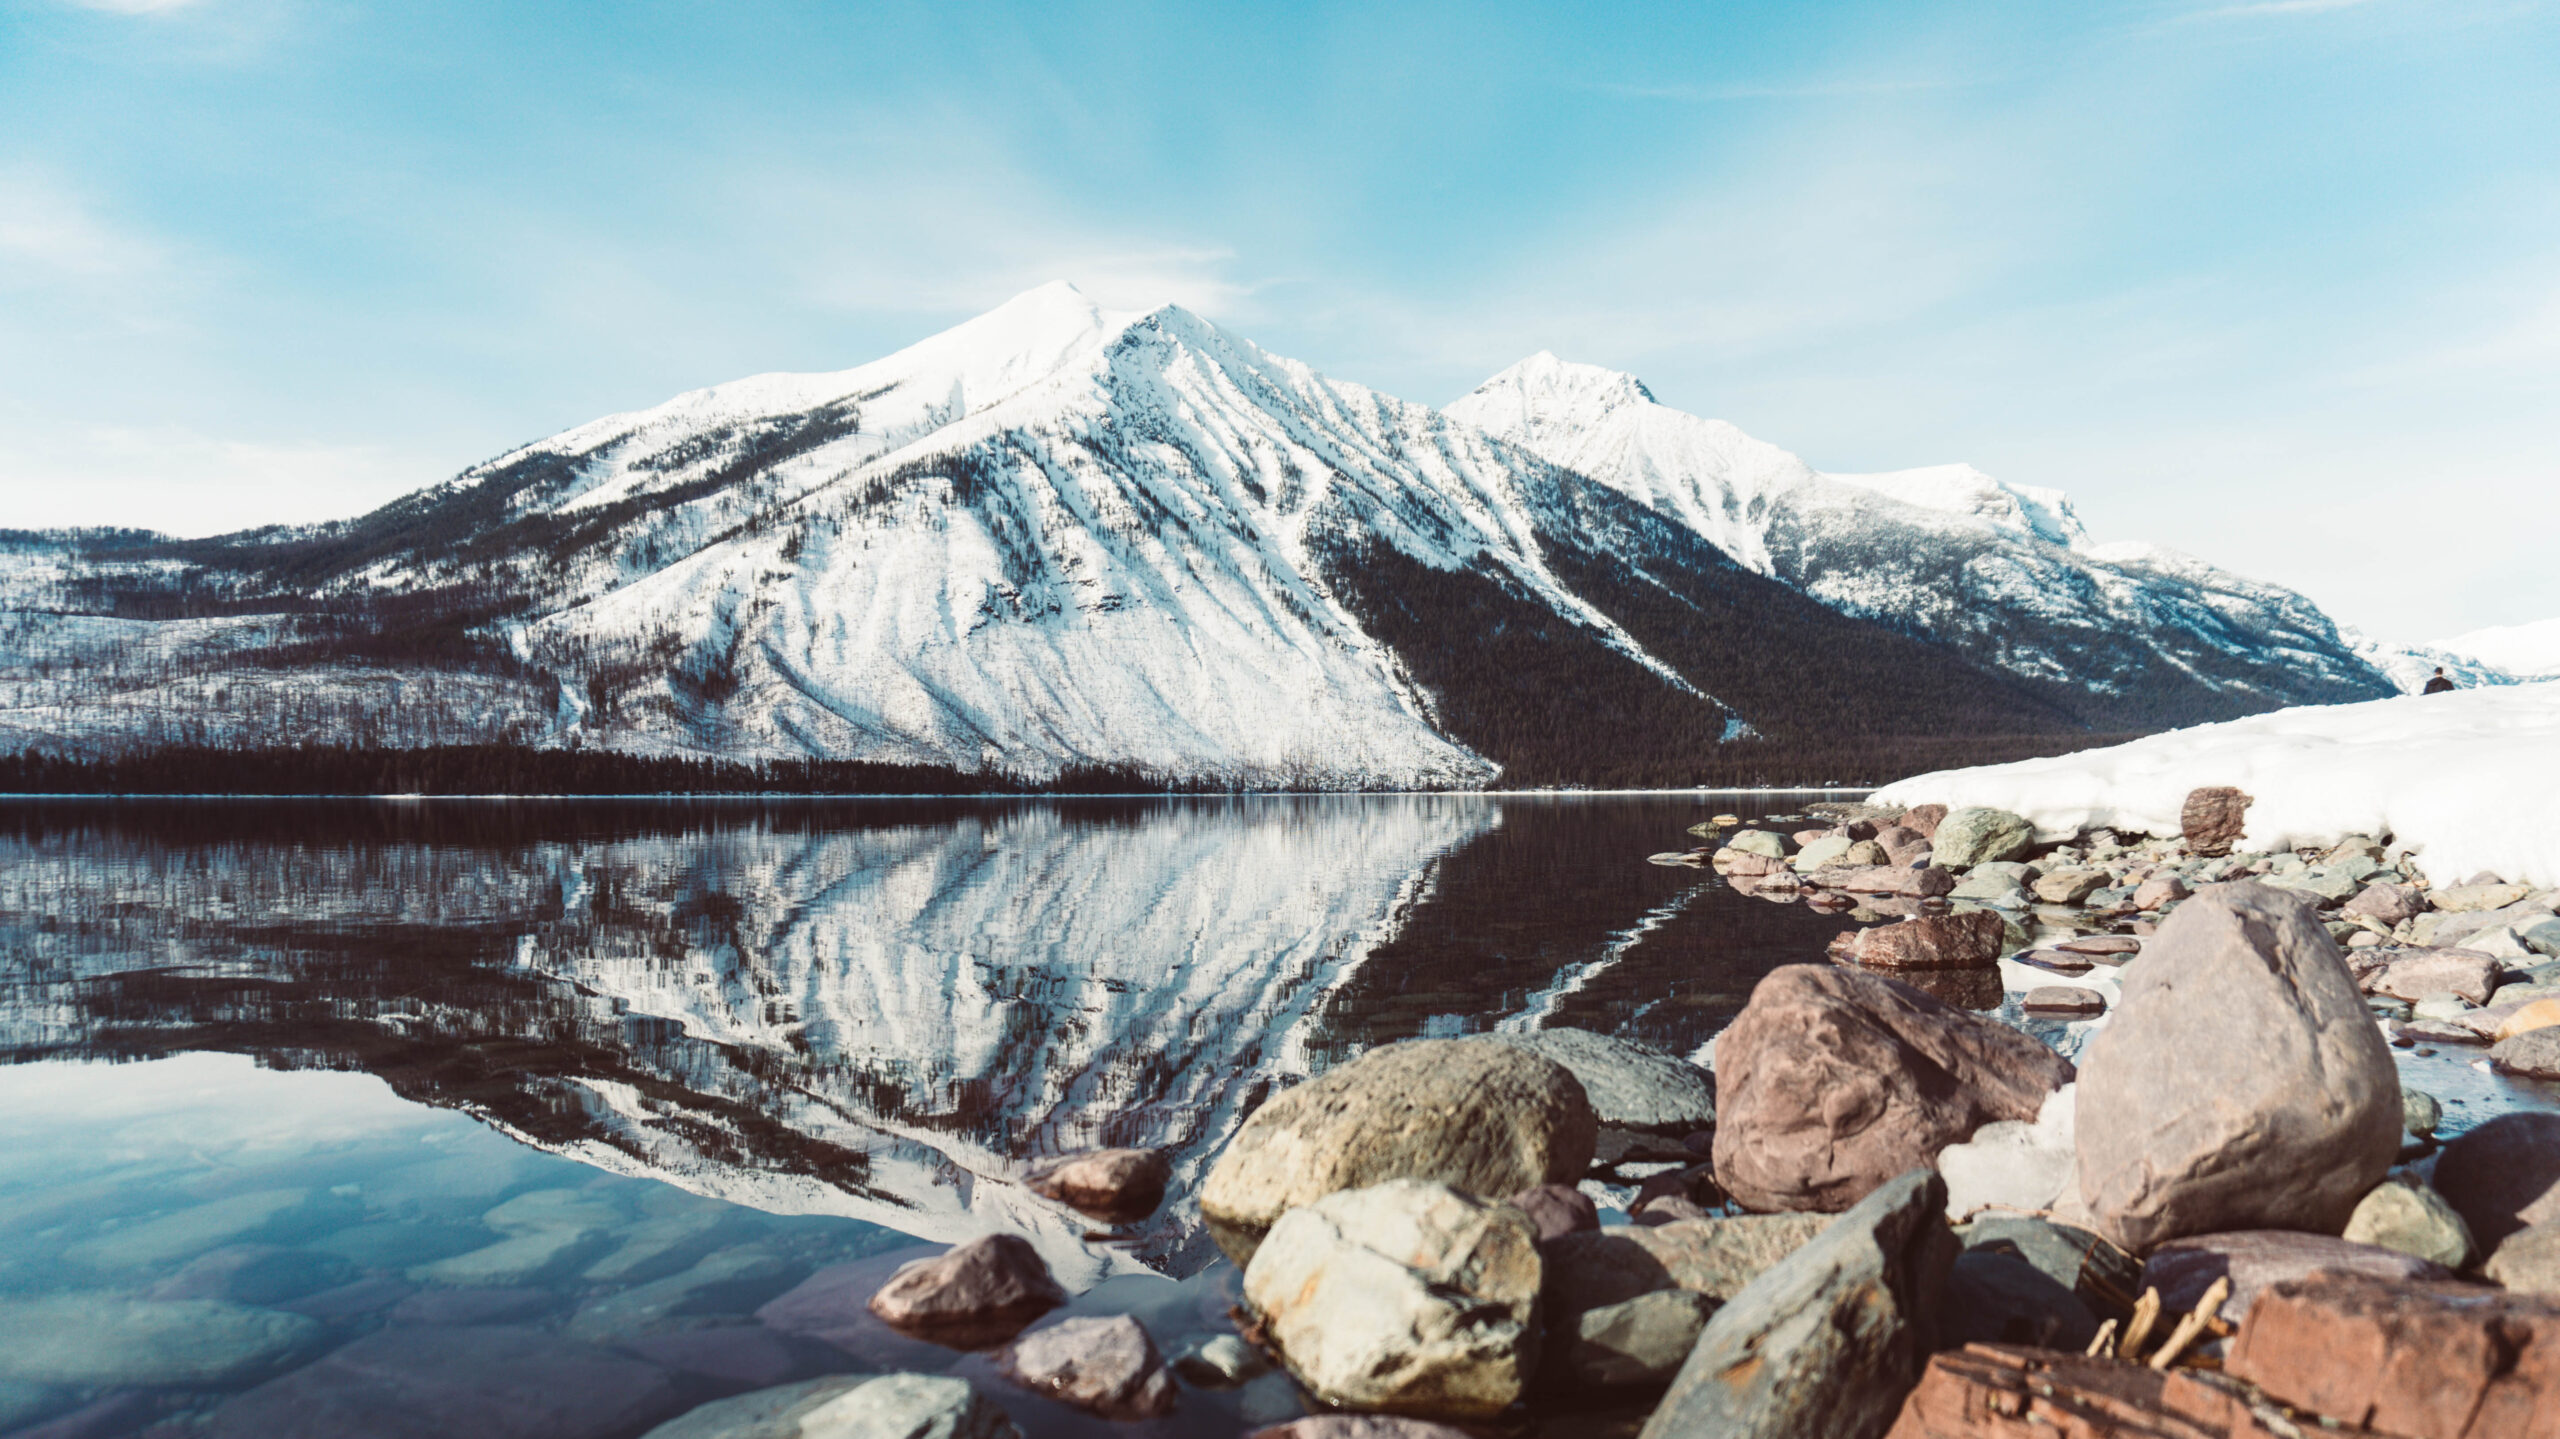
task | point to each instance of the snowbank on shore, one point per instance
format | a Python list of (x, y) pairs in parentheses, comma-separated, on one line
[(2468, 780)]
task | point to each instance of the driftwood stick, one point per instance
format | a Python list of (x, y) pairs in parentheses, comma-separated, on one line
[(2193, 1325), (2146, 1312), (2098, 1346)]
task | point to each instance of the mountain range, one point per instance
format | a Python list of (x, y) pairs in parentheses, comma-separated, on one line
[(1058, 537)]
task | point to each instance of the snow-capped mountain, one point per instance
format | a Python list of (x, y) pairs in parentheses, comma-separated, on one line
[(1056, 536), (2409, 667), (2124, 635), (2529, 651)]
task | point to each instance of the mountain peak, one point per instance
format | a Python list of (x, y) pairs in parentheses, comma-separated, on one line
[(1543, 392)]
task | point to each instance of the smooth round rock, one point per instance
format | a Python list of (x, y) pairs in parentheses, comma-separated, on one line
[(1630, 1085), (1479, 1115)]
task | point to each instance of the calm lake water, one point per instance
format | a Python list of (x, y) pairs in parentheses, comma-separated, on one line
[(609, 1076)]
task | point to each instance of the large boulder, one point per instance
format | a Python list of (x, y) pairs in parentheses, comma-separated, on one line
[(1834, 1080), (1715, 1258), (2241, 1083), (1631, 1086), (2407, 1216), (1406, 1296), (1975, 834), (2504, 1175), (1480, 1115), (1825, 1344), (1117, 1186), (1640, 1341), (2213, 819)]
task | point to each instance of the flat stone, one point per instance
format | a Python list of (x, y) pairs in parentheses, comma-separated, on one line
[(1826, 1343), (656, 1248), (909, 1406), (1630, 1086), (732, 1281), (103, 1340), (978, 1293), (540, 1211), (1361, 1426), (1759, 842), (2067, 1000), (1834, 1080), (1821, 850), (2474, 898), (2473, 977), (2069, 886), (2002, 1391), (256, 1274), (2534, 1054), (2386, 904), (1966, 940), (1479, 1115), (427, 1383), (771, 1413), (1893, 880), (2183, 1269), (2101, 945), (2417, 1359), (2504, 1175), (171, 1238), (1104, 1366), (1117, 1186), (520, 1260), (2240, 1083), (1406, 1295)]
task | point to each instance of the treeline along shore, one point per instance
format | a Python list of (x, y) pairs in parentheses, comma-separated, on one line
[(482, 769)]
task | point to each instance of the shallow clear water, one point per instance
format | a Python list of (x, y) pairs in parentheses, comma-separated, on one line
[(603, 1078)]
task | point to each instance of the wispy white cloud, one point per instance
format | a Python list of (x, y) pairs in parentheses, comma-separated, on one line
[(49, 232)]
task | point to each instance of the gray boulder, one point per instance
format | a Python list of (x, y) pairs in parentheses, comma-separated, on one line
[(1834, 1080), (1974, 834), (1716, 1258), (1826, 1344), (1631, 1086), (1640, 1341), (2103, 1277), (1405, 1296), (1479, 1115), (909, 1406), (2528, 1261), (1995, 1298), (2241, 1084), (105, 1340), (2534, 1054), (764, 1414)]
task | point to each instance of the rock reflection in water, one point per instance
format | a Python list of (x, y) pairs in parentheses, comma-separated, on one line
[(876, 1009)]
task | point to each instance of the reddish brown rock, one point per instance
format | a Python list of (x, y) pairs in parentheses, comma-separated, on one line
[(977, 1293), (1834, 1080), (1900, 881), (1901, 844), (2504, 1175), (2153, 893), (1107, 1366), (1557, 1210), (2213, 819), (1743, 864), (2255, 1260), (2386, 903), (2430, 1361), (1923, 819), (1970, 940), (1117, 1186), (2064, 999), (2439, 971), (2002, 1391)]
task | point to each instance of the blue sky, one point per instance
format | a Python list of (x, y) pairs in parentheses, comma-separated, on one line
[(2276, 283)]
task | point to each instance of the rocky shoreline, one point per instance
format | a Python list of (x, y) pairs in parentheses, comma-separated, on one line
[(2103, 1137)]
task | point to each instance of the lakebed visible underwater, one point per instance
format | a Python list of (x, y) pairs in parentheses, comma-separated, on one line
[(594, 1081)]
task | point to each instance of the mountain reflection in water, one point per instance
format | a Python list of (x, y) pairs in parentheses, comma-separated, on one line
[(878, 1009)]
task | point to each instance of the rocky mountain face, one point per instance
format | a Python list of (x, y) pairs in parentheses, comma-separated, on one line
[(1056, 537), (2121, 636)]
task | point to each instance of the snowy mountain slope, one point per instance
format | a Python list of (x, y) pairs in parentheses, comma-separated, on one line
[(1056, 537), (2409, 667), (2529, 650), (2124, 636)]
